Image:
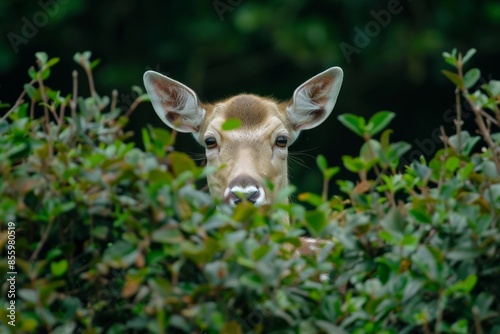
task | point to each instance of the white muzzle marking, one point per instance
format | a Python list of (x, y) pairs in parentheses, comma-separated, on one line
[(236, 194)]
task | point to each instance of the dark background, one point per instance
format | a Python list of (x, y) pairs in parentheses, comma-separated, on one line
[(264, 47)]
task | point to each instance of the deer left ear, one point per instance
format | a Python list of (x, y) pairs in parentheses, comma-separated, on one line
[(313, 101)]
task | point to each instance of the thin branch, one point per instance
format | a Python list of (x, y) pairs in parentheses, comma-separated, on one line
[(19, 101), (324, 193), (479, 113), (133, 106), (484, 132), (90, 77), (61, 117), (489, 117), (426, 328), (32, 115), (477, 320), (444, 139), (114, 99), (72, 103), (441, 307), (44, 99), (14, 107), (45, 236), (458, 121)]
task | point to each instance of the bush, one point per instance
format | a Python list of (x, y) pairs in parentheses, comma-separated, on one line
[(110, 238)]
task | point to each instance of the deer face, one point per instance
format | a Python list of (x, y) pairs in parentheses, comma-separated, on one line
[(255, 152)]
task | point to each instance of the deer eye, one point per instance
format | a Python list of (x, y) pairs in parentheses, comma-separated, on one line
[(281, 141), (211, 142)]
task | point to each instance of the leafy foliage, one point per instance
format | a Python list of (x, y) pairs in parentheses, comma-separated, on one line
[(111, 238)]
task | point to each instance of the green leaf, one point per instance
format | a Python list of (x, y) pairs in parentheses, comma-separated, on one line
[(138, 90), (100, 232), (29, 295), (244, 211), (162, 136), (464, 286), (452, 163), (181, 162), (32, 73), (354, 165), (353, 123), (30, 90), (460, 327), (494, 87), (449, 59), (311, 198), (58, 268), (454, 78), (316, 222), (94, 63), (379, 121), (45, 74), (42, 58), (52, 62), (471, 77), (321, 162), (167, 236), (468, 55), (330, 172), (370, 150), (146, 140), (53, 253), (421, 215), (328, 327), (496, 137), (231, 124)]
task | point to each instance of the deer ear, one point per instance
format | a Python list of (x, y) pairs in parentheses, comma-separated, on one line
[(313, 101), (176, 104)]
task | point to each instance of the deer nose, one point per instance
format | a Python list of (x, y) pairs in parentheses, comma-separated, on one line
[(237, 194), (244, 188)]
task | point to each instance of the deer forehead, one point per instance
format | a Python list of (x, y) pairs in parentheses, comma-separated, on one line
[(260, 118)]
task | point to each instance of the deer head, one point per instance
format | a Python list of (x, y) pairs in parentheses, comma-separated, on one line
[(256, 151)]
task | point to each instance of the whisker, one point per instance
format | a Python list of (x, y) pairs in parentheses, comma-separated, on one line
[(298, 161), (196, 156)]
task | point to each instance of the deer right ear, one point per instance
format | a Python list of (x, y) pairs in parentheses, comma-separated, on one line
[(176, 104)]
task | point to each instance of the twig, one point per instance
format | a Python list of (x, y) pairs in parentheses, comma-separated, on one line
[(72, 103), (439, 318), (19, 101), (14, 107), (484, 132), (426, 328), (90, 77), (444, 139), (61, 117), (458, 121), (489, 117), (133, 106), (45, 236), (477, 320), (479, 113), (324, 193), (44, 98), (54, 113), (114, 99)]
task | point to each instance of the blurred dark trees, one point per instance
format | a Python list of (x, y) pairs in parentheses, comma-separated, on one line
[(219, 48)]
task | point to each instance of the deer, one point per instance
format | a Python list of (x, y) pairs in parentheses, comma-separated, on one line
[(246, 157)]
